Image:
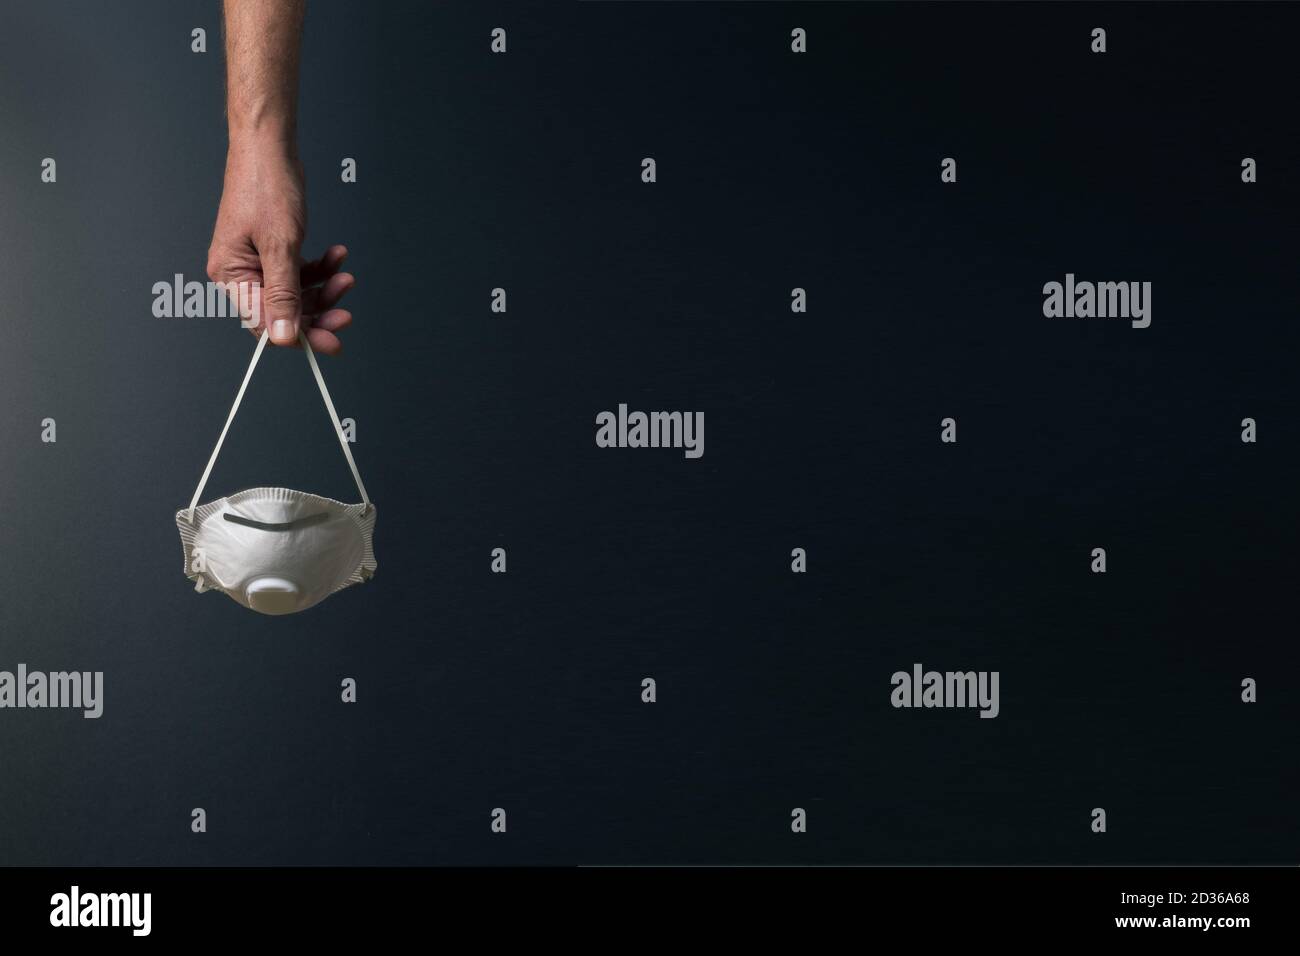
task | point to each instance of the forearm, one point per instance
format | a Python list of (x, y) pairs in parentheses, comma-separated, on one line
[(262, 41)]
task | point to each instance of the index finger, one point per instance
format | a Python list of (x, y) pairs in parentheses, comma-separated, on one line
[(318, 270)]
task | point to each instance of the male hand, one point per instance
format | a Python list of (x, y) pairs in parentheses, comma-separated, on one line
[(258, 238), (263, 214)]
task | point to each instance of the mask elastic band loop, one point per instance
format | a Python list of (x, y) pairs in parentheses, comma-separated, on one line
[(334, 416), (257, 353), (329, 405)]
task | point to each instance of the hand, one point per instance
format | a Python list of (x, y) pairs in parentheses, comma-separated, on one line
[(258, 238)]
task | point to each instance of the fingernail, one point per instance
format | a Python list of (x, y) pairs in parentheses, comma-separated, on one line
[(281, 329)]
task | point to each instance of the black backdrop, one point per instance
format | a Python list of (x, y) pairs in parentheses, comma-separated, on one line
[(476, 430)]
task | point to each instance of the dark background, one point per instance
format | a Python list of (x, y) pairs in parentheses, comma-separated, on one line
[(476, 430)]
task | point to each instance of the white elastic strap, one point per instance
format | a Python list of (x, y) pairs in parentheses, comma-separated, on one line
[(334, 417), (324, 392), (257, 354)]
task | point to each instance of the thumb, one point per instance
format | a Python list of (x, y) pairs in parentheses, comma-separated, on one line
[(281, 295)]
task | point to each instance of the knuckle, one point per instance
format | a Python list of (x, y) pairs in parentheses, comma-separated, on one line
[(279, 296)]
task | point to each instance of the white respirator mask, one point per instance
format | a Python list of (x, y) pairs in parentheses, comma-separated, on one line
[(274, 550)]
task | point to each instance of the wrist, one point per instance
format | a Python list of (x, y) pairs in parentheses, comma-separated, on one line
[(268, 136)]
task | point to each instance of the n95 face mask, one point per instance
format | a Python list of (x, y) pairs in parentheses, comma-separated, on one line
[(275, 550)]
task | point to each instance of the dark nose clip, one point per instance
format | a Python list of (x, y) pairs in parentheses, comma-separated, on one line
[(272, 526)]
